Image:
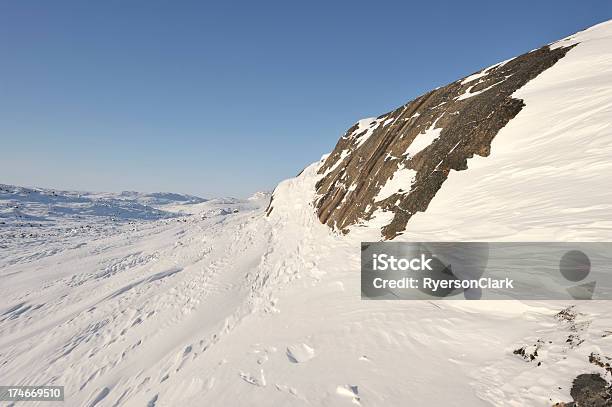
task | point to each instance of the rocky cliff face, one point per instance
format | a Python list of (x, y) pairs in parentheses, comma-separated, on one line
[(397, 162)]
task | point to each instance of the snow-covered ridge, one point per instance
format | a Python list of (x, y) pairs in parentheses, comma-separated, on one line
[(55, 195), (448, 133), (22, 205)]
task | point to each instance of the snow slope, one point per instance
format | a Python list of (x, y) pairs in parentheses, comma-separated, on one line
[(243, 309), (231, 307), (549, 173)]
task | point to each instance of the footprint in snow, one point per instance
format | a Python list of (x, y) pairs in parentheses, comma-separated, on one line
[(300, 353), (349, 390), (256, 381)]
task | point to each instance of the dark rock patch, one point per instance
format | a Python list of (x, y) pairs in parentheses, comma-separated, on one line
[(591, 390), (567, 314), (601, 361), (529, 353)]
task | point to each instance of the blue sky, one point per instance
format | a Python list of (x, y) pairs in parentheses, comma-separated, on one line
[(227, 98)]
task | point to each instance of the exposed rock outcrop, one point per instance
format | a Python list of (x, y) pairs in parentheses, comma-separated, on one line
[(589, 390), (397, 162)]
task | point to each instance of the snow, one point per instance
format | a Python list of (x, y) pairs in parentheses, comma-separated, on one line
[(424, 140), (343, 154), (484, 72), (300, 353), (388, 121), (259, 195), (475, 76), (400, 181), (468, 93), (366, 127), (206, 306), (598, 33)]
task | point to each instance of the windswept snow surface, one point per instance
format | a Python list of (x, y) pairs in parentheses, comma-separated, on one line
[(225, 306), (239, 309)]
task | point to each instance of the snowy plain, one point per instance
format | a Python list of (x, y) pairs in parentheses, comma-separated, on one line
[(217, 303)]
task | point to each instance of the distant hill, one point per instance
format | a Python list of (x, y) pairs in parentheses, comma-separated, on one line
[(23, 204)]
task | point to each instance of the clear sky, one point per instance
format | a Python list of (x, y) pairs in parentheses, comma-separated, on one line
[(225, 97)]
